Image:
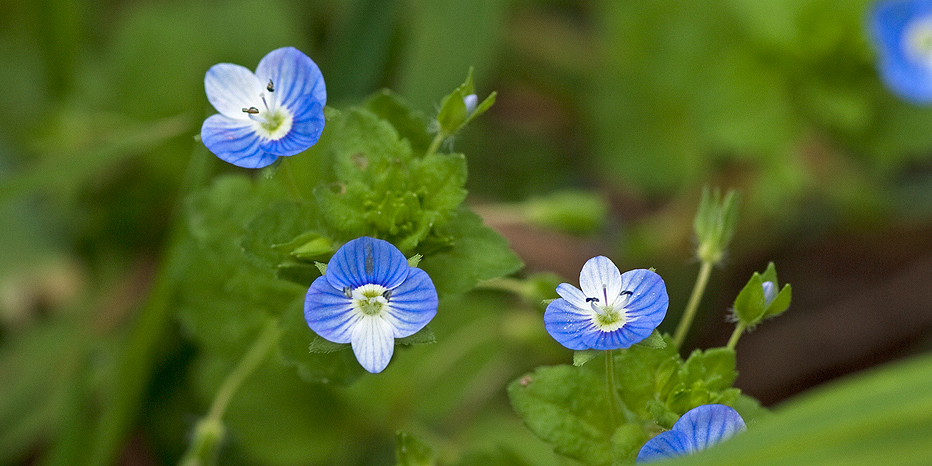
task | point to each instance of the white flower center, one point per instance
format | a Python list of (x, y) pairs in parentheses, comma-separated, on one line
[(271, 120), (917, 41), (370, 299), (608, 311)]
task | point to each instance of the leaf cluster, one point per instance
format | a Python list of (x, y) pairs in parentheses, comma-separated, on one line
[(566, 406)]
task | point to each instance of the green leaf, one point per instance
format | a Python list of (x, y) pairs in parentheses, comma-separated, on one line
[(316, 360), (380, 189), (583, 356), (225, 304), (642, 372), (705, 377), (655, 340), (473, 253), (411, 124), (566, 407), (412, 451)]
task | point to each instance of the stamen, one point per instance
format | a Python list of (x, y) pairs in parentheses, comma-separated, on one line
[(387, 294), (626, 292), (592, 300), (347, 292), (270, 87), (251, 110)]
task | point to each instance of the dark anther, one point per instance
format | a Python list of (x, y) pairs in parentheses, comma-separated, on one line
[(252, 110), (591, 300), (347, 292), (270, 87), (387, 294), (626, 292)]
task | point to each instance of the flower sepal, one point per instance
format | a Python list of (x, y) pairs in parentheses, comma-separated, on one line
[(715, 223), (460, 107), (759, 299)]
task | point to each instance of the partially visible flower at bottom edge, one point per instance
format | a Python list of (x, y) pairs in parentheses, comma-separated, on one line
[(700, 428), (368, 297)]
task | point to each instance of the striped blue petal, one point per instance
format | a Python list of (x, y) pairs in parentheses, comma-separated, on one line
[(365, 261), (235, 141), (412, 304), (329, 313), (700, 428), (293, 75), (568, 324)]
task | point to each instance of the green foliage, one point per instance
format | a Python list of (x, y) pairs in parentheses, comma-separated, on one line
[(412, 451), (566, 407), (380, 188)]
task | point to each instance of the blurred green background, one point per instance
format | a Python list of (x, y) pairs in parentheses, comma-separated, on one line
[(641, 103)]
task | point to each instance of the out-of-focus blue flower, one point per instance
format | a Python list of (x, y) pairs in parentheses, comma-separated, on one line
[(698, 429), (613, 310), (903, 32), (276, 111), (369, 296)]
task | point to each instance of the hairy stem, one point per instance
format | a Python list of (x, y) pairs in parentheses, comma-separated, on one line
[(739, 330)]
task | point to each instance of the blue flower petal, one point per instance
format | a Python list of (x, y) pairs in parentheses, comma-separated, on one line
[(329, 313), (235, 141), (229, 87), (890, 23), (365, 261), (293, 75), (669, 444), (649, 300), (306, 128), (573, 295), (373, 343), (568, 324), (698, 429), (412, 304), (600, 278)]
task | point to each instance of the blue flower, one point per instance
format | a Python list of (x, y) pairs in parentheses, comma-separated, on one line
[(903, 32), (278, 111), (698, 429), (612, 311), (369, 296)]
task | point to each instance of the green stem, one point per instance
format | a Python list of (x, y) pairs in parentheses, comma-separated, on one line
[(435, 144), (693, 305), (209, 431), (610, 388), (250, 362), (739, 330)]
